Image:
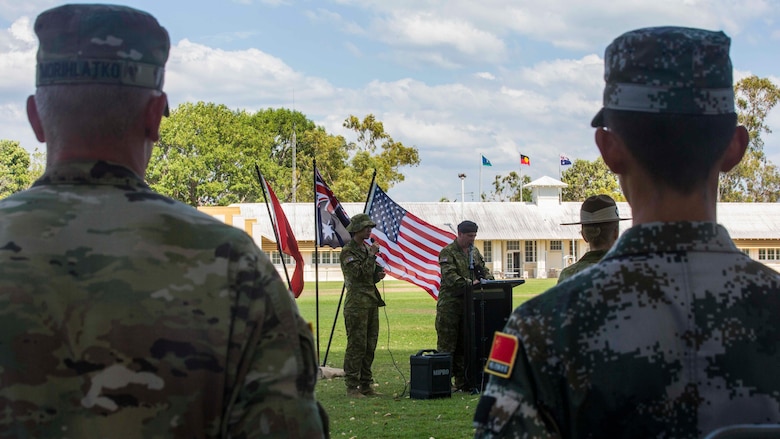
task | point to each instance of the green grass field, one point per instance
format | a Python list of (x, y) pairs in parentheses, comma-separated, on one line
[(406, 326)]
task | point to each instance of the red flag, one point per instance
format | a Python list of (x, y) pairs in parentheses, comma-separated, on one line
[(525, 160), (409, 247), (287, 242)]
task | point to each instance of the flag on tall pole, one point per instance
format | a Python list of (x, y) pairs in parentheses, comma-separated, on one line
[(409, 247), (285, 239), (564, 162), (525, 160), (332, 219), (485, 162)]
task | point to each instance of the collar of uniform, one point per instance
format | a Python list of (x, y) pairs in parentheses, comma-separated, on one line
[(672, 237), (91, 173)]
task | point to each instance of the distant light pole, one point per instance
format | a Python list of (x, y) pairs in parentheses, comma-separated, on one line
[(462, 193)]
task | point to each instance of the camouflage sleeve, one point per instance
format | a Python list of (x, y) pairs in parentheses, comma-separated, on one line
[(358, 268), (452, 278), (509, 407), (272, 354)]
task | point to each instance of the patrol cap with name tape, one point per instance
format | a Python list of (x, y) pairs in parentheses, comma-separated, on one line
[(674, 70), (100, 44)]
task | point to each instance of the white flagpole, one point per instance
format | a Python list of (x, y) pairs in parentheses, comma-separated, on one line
[(521, 176)]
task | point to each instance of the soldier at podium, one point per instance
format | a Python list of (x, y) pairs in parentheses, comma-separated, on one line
[(462, 267)]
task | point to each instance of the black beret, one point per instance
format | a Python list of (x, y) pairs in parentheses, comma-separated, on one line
[(467, 227)]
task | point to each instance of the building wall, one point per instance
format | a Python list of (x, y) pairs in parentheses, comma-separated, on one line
[(508, 257)]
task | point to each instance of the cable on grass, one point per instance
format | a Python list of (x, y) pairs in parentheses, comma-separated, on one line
[(392, 357)]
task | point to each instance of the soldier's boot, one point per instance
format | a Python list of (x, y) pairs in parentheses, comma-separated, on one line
[(353, 392), (368, 390)]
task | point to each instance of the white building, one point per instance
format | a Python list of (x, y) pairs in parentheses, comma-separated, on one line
[(517, 239)]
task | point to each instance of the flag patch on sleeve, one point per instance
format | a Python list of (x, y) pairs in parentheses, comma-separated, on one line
[(502, 356)]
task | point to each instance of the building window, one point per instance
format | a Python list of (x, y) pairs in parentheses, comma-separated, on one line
[(573, 249), (530, 251), (556, 246), (277, 261), (513, 245), (487, 249), (329, 257), (769, 254)]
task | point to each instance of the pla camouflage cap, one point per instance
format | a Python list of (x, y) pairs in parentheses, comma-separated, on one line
[(360, 222), (673, 70), (100, 44)]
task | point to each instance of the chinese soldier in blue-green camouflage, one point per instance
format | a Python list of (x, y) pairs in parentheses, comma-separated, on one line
[(361, 306), (675, 332), (124, 313), (462, 266)]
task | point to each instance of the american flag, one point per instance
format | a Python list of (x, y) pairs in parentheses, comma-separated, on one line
[(409, 247), (332, 219)]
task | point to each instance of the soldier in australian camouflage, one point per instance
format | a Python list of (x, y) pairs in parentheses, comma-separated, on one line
[(599, 218), (675, 332), (361, 307), (124, 313), (456, 277)]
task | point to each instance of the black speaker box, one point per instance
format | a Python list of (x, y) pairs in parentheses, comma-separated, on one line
[(430, 375)]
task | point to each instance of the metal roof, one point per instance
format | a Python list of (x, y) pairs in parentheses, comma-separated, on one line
[(520, 221)]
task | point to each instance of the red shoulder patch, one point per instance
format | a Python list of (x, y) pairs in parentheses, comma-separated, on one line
[(502, 356)]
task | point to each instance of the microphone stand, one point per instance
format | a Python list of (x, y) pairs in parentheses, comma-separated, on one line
[(481, 341), (476, 387)]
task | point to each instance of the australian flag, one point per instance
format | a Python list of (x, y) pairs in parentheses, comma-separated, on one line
[(332, 220)]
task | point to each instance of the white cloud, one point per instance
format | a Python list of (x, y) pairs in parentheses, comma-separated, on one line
[(455, 79), (246, 78), (586, 72)]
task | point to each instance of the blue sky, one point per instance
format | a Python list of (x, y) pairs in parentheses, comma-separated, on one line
[(456, 79)]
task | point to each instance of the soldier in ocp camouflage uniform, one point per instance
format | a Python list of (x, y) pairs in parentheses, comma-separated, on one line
[(361, 312), (124, 313), (676, 332), (457, 276)]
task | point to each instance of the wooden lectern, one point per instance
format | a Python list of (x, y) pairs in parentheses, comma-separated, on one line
[(487, 309)]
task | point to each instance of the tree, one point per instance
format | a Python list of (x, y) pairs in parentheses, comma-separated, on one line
[(207, 155), (585, 178), (509, 188), (37, 164), (755, 178), (14, 168), (370, 136)]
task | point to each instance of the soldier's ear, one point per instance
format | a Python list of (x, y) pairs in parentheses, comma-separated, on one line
[(612, 149), (35, 119), (736, 149)]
